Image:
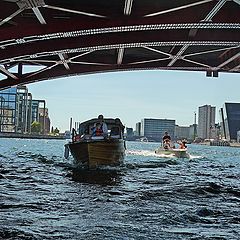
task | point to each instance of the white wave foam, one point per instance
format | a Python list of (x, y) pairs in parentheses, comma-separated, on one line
[(148, 153), (145, 153), (165, 155), (194, 157)]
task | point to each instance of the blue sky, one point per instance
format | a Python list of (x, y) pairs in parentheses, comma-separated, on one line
[(135, 95)]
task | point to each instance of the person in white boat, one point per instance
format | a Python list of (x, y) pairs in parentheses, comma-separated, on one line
[(100, 126), (166, 140), (182, 144)]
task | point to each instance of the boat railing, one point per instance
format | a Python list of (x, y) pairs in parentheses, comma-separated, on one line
[(76, 137)]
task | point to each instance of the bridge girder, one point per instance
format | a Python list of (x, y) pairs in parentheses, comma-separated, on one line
[(70, 37)]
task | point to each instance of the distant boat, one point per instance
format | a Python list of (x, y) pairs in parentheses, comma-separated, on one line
[(175, 152), (144, 139), (95, 151)]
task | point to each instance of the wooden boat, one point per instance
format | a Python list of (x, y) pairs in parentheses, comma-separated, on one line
[(95, 151), (175, 152)]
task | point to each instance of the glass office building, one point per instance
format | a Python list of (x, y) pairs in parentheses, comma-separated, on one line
[(22, 109), (155, 128), (18, 110), (8, 111), (230, 120)]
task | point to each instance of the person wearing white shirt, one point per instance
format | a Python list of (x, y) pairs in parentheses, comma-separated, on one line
[(103, 125)]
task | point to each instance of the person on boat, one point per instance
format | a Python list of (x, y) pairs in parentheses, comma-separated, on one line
[(182, 144), (97, 130), (166, 137), (102, 126), (116, 130), (166, 140)]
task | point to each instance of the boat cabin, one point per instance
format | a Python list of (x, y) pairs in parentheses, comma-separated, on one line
[(86, 131)]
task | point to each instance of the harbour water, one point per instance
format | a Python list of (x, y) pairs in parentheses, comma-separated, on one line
[(42, 195)]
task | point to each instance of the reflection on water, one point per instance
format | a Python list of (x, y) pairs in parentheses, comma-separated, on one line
[(43, 196)]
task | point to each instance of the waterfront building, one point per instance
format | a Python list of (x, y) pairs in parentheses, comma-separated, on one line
[(8, 110), (138, 129), (155, 128), (35, 111), (22, 110), (206, 122), (29, 113), (230, 120), (129, 132), (44, 120), (192, 131), (18, 110), (222, 124), (40, 114), (14, 109), (181, 132)]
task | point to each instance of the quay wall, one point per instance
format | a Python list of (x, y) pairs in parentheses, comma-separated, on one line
[(30, 136), (220, 143)]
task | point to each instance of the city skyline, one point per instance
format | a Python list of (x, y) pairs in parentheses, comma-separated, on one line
[(133, 96)]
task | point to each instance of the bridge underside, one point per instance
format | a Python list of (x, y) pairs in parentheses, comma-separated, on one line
[(70, 37)]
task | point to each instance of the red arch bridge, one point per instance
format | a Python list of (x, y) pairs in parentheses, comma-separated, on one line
[(70, 37)]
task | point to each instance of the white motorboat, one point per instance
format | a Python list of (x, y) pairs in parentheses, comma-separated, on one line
[(175, 152)]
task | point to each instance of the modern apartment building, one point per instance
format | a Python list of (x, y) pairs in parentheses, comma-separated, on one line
[(18, 110), (206, 122), (22, 110), (181, 132), (230, 120), (8, 110), (155, 128), (44, 119)]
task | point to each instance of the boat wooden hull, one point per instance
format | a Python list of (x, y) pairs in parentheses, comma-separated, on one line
[(179, 153), (109, 152)]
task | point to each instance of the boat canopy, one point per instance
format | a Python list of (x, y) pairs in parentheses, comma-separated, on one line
[(85, 127)]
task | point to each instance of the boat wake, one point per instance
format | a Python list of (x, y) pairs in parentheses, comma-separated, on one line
[(165, 155), (193, 157), (189, 156), (145, 153), (148, 153)]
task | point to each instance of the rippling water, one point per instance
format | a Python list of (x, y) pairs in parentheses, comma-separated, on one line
[(42, 196)]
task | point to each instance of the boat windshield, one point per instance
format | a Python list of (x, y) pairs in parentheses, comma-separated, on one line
[(114, 129)]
